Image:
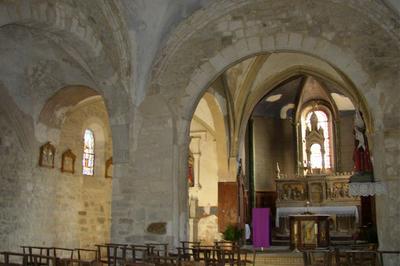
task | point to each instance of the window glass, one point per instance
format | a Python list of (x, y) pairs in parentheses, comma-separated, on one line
[(88, 153)]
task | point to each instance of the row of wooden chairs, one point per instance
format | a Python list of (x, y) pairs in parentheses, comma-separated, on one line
[(347, 256), (39, 256), (219, 254)]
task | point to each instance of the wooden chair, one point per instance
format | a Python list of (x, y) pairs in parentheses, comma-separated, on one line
[(226, 244), (165, 261), (317, 257), (62, 254), (204, 253), (14, 259), (138, 255), (86, 256), (188, 250), (242, 258), (77, 262), (188, 254), (42, 254), (356, 258), (114, 253), (161, 249)]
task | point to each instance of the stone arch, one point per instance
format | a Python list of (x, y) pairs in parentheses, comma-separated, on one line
[(99, 46), (192, 60), (54, 111), (221, 134), (69, 23), (274, 81)]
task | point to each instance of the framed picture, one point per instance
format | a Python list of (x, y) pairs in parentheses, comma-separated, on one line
[(109, 168), (46, 156), (68, 162)]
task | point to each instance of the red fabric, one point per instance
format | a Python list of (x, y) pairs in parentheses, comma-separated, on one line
[(362, 158), (190, 175)]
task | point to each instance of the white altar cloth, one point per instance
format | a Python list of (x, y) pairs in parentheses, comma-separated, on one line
[(338, 210)]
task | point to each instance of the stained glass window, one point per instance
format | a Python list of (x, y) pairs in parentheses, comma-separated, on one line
[(316, 155), (88, 153)]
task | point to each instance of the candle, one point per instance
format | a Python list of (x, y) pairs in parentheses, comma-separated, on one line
[(295, 228), (316, 228)]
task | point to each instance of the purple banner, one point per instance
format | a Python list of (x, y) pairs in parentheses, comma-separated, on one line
[(261, 222)]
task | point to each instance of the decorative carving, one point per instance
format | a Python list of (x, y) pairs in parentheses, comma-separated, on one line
[(46, 156), (68, 162), (316, 189), (292, 192), (314, 135), (109, 168), (339, 191)]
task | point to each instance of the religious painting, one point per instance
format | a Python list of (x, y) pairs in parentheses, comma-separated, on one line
[(46, 156), (109, 168), (190, 174), (68, 162), (309, 232)]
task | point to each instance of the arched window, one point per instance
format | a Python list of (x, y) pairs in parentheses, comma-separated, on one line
[(317, 122), (88, 153)]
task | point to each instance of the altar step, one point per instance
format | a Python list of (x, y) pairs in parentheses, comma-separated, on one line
[(335, 240)]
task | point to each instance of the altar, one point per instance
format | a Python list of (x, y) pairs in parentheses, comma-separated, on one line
[(317, 194), (309, 231)]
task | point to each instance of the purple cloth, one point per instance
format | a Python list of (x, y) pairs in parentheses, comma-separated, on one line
[(261, 222)]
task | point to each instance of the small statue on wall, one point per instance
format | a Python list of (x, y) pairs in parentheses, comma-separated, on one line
[(68, 162), (109, 168), (46, 156)]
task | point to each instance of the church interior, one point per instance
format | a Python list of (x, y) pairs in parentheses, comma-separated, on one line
[(175, 126)]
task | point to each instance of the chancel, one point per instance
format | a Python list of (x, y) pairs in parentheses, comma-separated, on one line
[(313, 153), (158, 127)]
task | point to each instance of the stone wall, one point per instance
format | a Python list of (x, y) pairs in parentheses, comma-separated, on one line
[(87, 197), (346, 126), (178, 50), (43, 206), (274, 142), (205, 189)]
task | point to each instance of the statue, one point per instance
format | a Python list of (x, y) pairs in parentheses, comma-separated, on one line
[(278, 171)]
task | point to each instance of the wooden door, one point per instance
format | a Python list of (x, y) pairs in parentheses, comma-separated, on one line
[(227, 204)]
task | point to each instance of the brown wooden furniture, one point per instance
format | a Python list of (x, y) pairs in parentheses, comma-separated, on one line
[(356, 257), (161, 249), (189, 251), (137, 254), (62, 254), (28, 259), (111, 253), (309, 231), (13, 256), (37, 255), (86, 256), (318, 257)]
